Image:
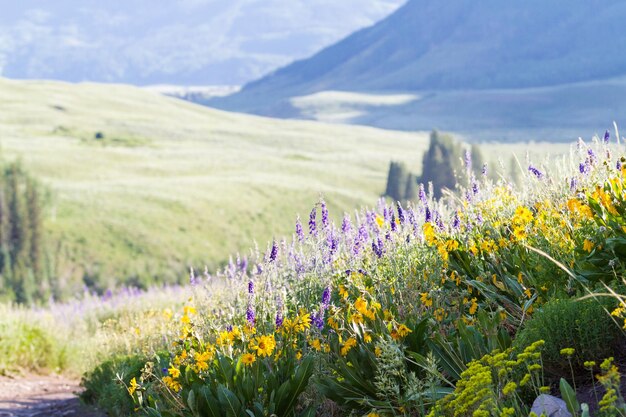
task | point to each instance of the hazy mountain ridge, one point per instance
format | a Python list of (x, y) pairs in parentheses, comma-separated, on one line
[(437, 50), (192, 42)]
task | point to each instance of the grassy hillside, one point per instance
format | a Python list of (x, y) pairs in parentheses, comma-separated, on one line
[(172, 183)]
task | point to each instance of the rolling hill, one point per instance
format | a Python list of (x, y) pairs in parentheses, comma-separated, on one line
[(173, 184), (504, 60)]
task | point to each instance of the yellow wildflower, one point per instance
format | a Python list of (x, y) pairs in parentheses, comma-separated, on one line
[(248, 359), (133, 386), (263, 345), (350, 343)]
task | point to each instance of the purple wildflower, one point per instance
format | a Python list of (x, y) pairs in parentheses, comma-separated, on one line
[(427, 216), (377, 247), (326, 297), (422, 194), (535, 171), (273, 252), (250, 315), (259, 269), (475, 189), (583, 168), (456, 223), (591, 158), (393, 223), (572, 184), (607, 137), (346, 226), (619, 165), (324, 214), (312, 223), (250, 287), (484, 169), (400, 213), (299, 231), (468, 160)]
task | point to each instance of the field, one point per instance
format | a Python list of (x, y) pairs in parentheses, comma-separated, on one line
[(172, 184), (474, 305)]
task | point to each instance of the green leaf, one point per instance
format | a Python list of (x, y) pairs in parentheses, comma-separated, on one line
[(207, 403), (191, 402), (585, 408), (229, 401), (569, 396), (288, 393)]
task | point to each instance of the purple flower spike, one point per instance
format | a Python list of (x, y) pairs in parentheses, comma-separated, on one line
[(535, 171), (346, 226), (299, 231), (484, 169), (273, 252), (250, 287), (250, 315), (428, 216), (393, 223), (618, 165), (312, 223), (324, 214), (400, 213), (607, 137), (422, 194), (456, 223), (326, 297)]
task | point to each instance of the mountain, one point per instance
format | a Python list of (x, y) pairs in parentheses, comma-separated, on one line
[(186, 42), (438, 49)]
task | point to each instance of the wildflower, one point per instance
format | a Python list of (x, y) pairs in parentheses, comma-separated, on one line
[(343, 292), (403, 330), (248, 359), (172, 383), (426, 300), (173, 372), (250, 316), (299, 231), (273, 252), (607, 137), (324, 214), (316, 344), (263, 345), (473, 307), (132, 386), (350, 343), (429, 233), (589, 364), (588, 245), (535, 172), (567, 352), (509, 388), (312, 224), (346, 226)]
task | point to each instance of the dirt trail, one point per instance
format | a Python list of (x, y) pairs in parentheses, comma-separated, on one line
[(42, 396)]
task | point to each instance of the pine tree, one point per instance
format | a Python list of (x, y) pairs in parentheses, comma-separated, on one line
[(439, 162), (411, 190), (396, 181)]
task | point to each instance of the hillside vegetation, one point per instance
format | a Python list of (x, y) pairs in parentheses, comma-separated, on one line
[(171, 184)]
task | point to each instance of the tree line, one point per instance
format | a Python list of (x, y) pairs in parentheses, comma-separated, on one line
[(440, 167), (23, 278)]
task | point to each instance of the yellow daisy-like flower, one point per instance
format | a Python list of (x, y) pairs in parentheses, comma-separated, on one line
[(172, 384), (360, 305), (350, 343), (248, 359), (588, 245), (263, 345), (173, 372), (316, 344), (404, 330)]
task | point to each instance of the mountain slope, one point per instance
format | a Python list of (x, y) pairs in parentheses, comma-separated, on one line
[(428, 45)]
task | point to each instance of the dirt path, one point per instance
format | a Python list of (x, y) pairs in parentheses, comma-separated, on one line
[(42, 396)]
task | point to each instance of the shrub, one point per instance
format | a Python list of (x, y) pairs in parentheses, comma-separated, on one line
[(584, 325)]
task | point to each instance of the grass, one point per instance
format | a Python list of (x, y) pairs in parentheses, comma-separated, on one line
[(172, 184)]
